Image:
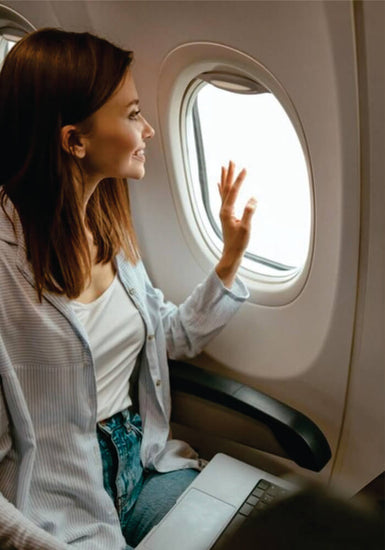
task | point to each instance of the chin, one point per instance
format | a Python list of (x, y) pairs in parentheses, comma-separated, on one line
[(136, 175), (133, 171)]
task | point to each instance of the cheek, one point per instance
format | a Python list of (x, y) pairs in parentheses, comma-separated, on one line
[(123, 144), (111, 152)]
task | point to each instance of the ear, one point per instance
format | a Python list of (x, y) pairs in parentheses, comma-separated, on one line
[(72, 141)]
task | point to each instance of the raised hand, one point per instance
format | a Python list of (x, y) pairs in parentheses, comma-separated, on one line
[(236, 232)]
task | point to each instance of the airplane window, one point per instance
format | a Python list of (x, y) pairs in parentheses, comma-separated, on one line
[(8, 38), (235, 118)]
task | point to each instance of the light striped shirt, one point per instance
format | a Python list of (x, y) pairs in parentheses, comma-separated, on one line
[(51, 483)]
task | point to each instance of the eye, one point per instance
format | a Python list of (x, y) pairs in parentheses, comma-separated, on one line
[(134, 115)]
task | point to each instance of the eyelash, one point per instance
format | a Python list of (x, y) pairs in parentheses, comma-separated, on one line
[(134, 115)]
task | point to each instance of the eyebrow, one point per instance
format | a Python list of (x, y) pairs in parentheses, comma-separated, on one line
[(133, 102)]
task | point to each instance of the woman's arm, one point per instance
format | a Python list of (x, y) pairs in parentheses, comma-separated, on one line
[(236, 232), (191, 325), (19, 533)]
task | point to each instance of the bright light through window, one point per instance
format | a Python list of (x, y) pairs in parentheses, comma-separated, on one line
[(255, 132), (6, 44)]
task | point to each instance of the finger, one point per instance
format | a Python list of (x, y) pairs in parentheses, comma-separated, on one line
[(220, 189), (232, 192), (223, 176), (222, 181), (249, 212), (229, 176)]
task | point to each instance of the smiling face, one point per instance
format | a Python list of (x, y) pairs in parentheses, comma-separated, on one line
[(114, 148)]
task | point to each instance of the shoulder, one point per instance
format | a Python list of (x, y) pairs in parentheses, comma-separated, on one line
[(10, 226), (8, 256), (11, 237), (129, 272)]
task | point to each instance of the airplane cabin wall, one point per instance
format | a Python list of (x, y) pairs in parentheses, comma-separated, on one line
[(361, 455), (301, 352)]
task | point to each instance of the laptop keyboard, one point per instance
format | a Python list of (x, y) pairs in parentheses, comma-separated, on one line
[(263, 495)]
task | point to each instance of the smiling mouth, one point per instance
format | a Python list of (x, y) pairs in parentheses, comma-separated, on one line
[(140, 155)]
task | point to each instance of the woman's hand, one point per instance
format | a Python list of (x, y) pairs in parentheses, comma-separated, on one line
[(236, 232)]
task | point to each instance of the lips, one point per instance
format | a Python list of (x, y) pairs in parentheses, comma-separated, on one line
[(140, 155)]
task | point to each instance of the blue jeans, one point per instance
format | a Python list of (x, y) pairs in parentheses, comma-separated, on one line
[(141, 497)]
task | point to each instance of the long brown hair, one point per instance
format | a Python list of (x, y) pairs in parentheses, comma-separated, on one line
[(52, 78)]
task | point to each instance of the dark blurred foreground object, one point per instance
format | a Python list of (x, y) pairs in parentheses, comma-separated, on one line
[(312, 519), (375, 491)]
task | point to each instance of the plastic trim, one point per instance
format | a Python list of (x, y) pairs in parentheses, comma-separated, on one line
[(299, 436)]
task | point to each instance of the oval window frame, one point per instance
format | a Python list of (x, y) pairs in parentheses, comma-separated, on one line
[(13, 23), (179, 70), (260, 265)]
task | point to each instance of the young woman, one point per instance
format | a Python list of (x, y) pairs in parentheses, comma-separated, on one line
[(86, 458)]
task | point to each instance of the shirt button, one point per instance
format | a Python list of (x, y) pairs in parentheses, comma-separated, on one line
[(131, 291), (151, 337), (158, 382)]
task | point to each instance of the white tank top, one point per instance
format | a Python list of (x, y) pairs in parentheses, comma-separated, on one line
[(115, 331)]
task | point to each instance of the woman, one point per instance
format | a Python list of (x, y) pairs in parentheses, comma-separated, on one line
[(85, 454)]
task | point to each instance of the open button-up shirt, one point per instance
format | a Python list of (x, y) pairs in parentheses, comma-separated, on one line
[(51, 483)]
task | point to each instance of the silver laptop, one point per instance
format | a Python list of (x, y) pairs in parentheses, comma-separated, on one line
[(217, 502)]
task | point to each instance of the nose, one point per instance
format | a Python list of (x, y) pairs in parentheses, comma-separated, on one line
[(148, 130)]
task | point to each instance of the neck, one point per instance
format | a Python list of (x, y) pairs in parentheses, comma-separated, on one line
[(87, 189)]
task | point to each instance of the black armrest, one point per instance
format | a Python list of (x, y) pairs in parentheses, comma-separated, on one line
[(301, 439)]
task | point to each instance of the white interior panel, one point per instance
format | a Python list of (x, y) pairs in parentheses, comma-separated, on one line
[(361, 455)]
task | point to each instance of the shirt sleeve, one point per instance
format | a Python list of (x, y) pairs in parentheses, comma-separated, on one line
[(191, 325), (17, 531)]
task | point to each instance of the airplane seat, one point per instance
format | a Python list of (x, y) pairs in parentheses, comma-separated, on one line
[(299, 438)]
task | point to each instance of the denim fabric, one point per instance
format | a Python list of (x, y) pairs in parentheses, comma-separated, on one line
[(141, 497), (119, 440), (159, 493)]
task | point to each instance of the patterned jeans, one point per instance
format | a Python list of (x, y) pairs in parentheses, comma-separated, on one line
[(141, 497)]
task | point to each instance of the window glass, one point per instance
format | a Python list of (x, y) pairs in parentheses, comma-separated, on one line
[(7, 40), (255, 132)]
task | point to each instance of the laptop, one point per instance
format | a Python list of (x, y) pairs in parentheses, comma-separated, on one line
[(215, 505)]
